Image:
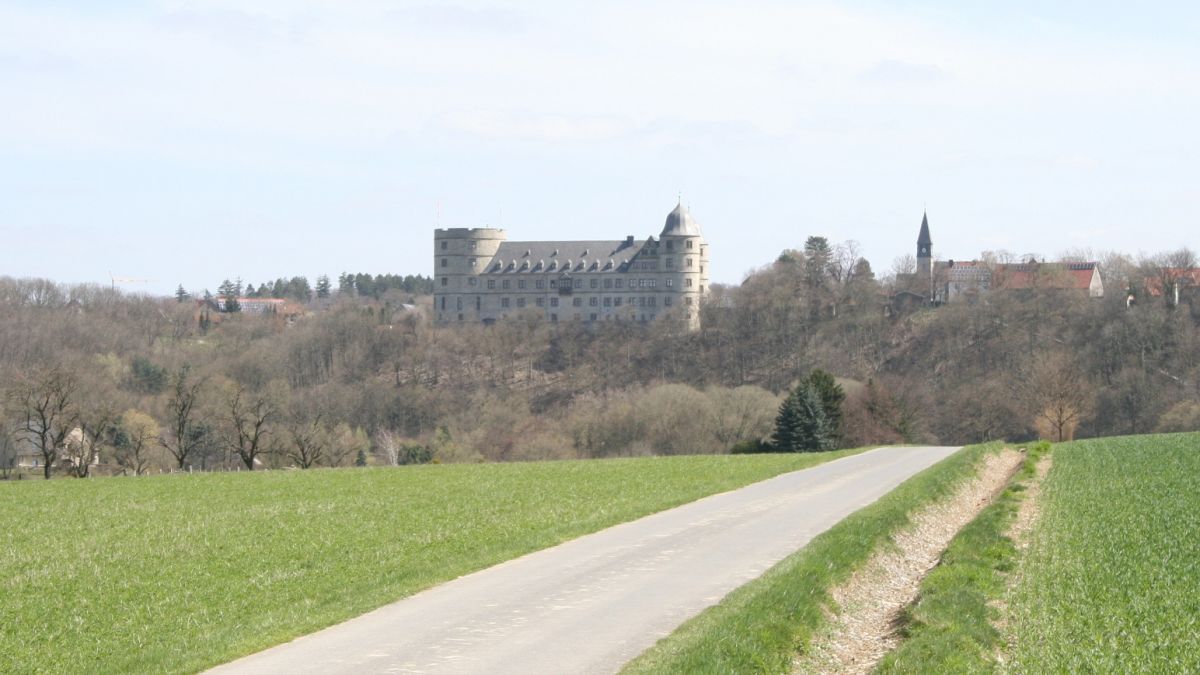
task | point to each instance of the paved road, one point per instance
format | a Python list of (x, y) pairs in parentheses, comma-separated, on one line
[(592, 604)]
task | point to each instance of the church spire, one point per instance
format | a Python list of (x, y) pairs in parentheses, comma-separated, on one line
[(924, 241)]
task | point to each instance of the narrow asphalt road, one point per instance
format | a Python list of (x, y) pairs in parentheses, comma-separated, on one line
[(592, 604)]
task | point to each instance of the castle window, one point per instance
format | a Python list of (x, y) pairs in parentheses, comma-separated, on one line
[(608, 302), (443, 302), (577, 302), (651, 301), (504, 284), (608, 283), (471, 245), (491, 283), (667, 301), (619, 283), (617, 301), (445, 262), (595, 283), (472, 262), (554, 302), (458, 301), (579, 283), (478, 303), (445, 281), (670, 247), (642, 301), (504, 302), (670, 263), (553, 283), (689, 243), (541, 302), (554, 318), (540, 283), (687, 282), (689, 262), (687, 300), (444, 242), (670, 283), (632, 301), (594, 301), (521, 283), (701, 288), (520, 302), (702, 269), (593, 317)]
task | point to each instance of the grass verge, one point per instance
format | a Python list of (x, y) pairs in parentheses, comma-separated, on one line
[(176, 573), (760, 626), (1110, 581), (949, 629)]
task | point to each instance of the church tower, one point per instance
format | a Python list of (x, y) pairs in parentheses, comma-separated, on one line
[(925, 257)]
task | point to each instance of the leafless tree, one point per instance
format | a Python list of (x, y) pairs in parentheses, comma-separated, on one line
[(140, 431), (309, 442), (388, 443), (85, 442), (249, 417), (48, 412), (182, 441), (1058, 394)]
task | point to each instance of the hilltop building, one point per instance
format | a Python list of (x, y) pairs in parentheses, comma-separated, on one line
[(482, 277), (950, 281)]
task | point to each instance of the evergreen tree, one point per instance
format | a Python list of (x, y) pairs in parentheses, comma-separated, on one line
[(361, 458), (831, 395), (323, 286), (801, 425), (181, 295)]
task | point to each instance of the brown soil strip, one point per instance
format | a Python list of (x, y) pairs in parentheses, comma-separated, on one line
[(874, 597)]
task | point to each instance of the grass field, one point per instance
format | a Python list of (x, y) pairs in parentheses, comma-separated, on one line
[(759, 627), (175, 573), (1111, 582)]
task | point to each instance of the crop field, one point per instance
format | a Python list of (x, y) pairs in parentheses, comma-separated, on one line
[(175, 573), (1111, 582)]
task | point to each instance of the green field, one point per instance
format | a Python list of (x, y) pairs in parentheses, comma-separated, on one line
[(1111, 582), (175, 573)]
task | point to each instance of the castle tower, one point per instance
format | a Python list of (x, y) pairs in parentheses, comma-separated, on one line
[(459, 255), (685, 264), (925, 258)]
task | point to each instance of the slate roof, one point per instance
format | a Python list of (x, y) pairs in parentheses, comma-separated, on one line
[(923, 239), (680, 223), (553, 256)]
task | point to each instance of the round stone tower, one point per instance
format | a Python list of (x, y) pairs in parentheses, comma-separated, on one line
[(684, 256), (459, 257)]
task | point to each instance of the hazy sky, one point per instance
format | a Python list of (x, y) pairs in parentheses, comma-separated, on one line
[(187, 142)]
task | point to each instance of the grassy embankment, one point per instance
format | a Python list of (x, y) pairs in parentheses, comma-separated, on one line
[(1111, 580), (175, 573), (760, 626), (950, 630)]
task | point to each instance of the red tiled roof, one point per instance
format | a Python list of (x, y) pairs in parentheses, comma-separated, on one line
[(1182, 276), (1069, 276)]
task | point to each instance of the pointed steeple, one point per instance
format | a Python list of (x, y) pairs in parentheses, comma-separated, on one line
[(924, 239)]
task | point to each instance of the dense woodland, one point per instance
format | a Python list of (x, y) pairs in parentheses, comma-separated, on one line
[(363, 378)]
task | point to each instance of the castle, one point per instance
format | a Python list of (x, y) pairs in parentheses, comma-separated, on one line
[(949, 281), (482, 277)]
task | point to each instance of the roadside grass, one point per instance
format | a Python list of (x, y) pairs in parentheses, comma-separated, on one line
[(177, 573), (1111, 580), (949, 629), (760, 626)]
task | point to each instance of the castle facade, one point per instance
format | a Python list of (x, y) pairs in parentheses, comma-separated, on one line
[(482, 277)]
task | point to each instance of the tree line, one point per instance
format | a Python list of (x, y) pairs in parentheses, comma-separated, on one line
[(366, 379)]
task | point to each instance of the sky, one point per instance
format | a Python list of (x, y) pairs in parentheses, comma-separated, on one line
[(190, 142)]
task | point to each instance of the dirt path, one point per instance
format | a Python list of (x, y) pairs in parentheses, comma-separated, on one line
[(874, 597)]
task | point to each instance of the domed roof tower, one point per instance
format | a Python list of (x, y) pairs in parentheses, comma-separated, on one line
[(681, 224)]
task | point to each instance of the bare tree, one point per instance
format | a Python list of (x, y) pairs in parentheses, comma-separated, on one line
[(388, 443), (48, 414), (309, 442), (183, 440), (249, 417), (1058, 394), (139, 432), (8, 449), (83, 444)]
